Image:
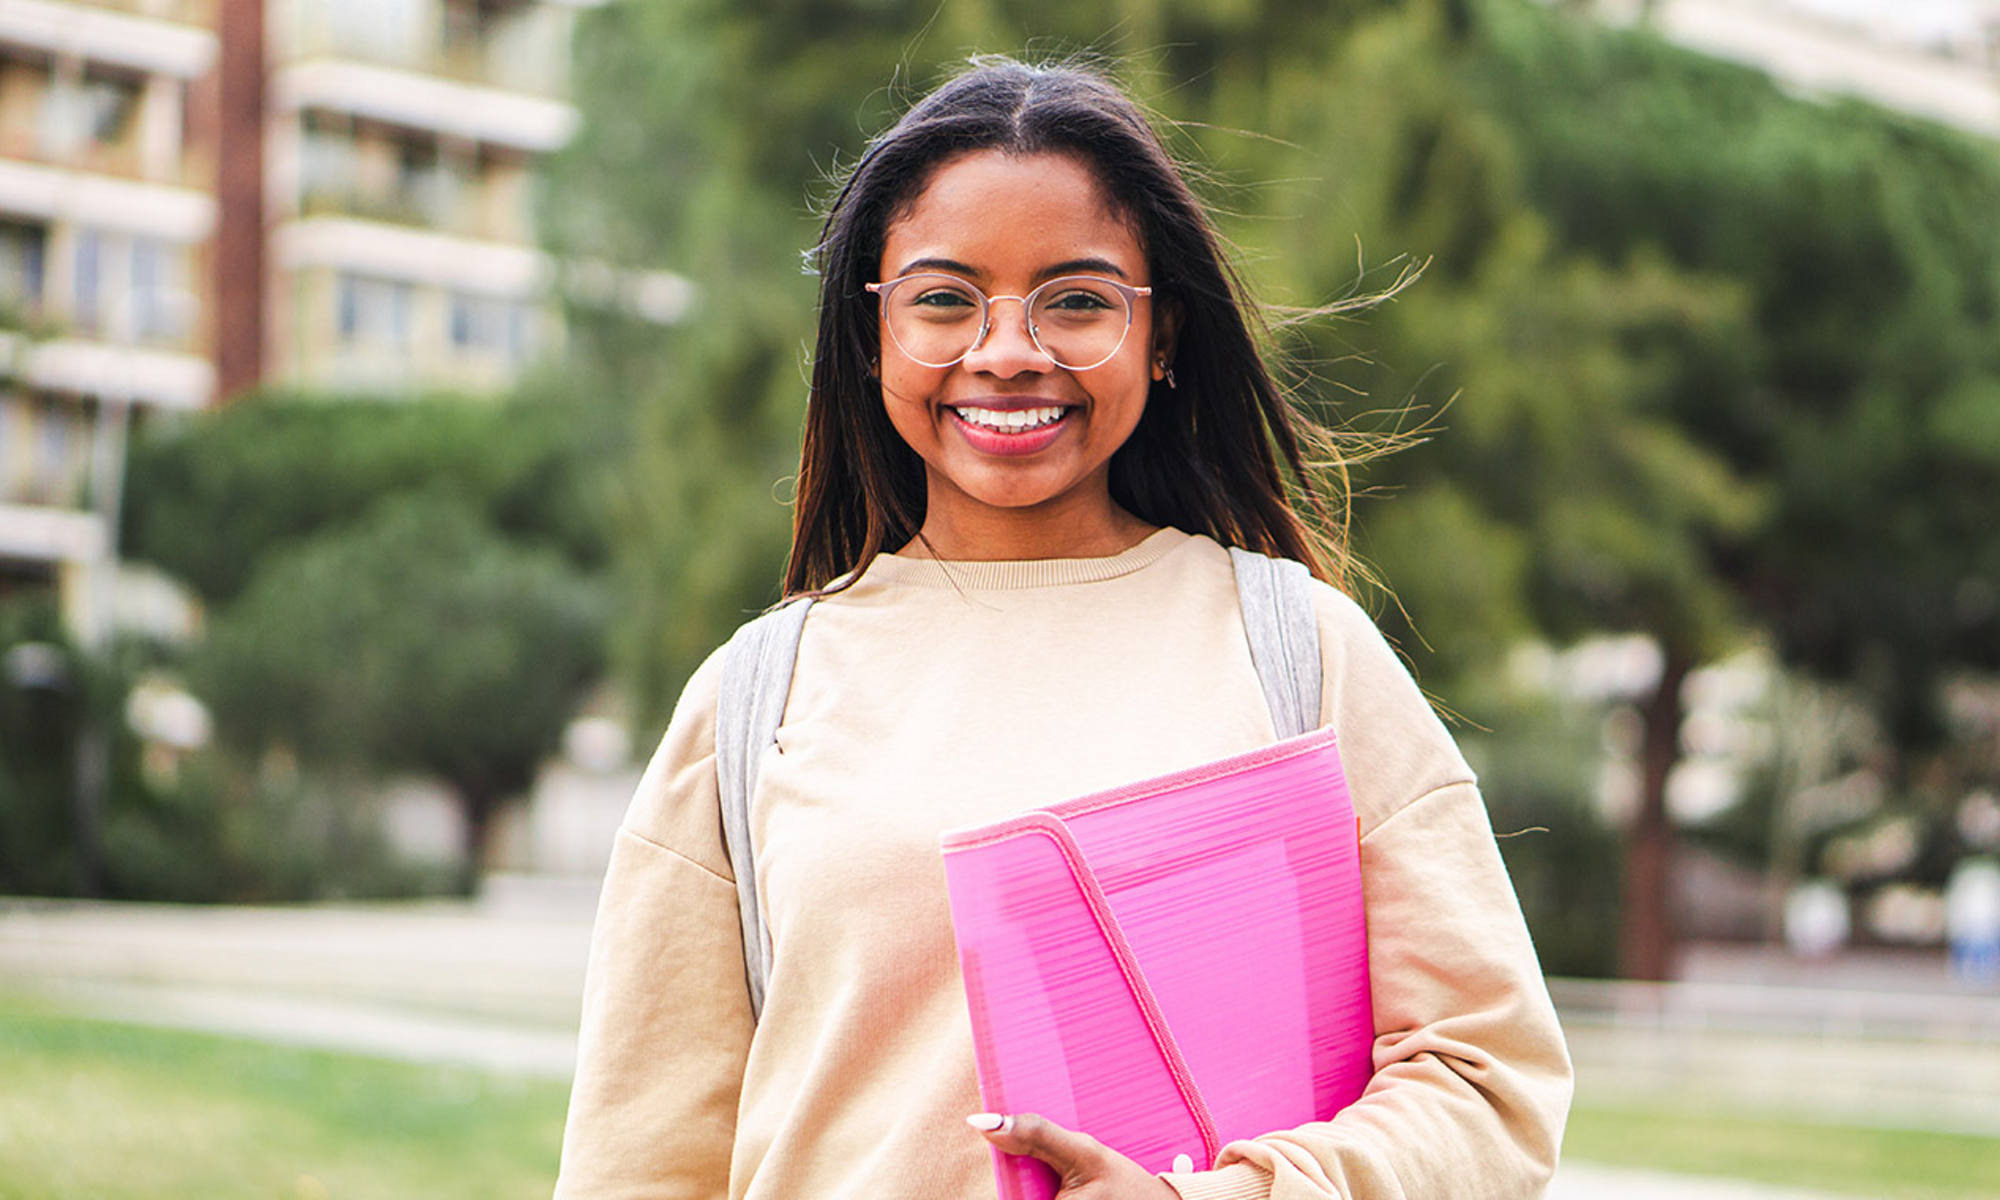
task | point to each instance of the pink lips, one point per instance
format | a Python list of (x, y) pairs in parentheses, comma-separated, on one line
[(1026, 441)]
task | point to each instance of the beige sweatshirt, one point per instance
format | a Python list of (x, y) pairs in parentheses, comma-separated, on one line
[(931, 696)]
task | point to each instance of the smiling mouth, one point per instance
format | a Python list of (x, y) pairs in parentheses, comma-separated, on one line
[(1017, 420)]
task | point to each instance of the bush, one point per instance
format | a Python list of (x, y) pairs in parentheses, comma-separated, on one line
[(222, 831)]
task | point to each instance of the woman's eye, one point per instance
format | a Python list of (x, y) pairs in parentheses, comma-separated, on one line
[(1079, 301), (942, 298)]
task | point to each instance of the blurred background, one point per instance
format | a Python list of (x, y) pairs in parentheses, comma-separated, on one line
[(398, 399)]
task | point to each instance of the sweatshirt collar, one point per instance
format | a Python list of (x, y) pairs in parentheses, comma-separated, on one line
[(902, 570)]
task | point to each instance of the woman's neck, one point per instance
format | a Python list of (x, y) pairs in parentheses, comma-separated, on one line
[(1018, 535)]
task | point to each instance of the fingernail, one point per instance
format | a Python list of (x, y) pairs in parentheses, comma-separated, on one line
[(986, 1122), (1182, 1164)]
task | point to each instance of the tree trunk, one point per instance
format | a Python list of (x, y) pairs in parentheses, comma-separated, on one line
[(1646, 933), (479, 808), (93, 780)]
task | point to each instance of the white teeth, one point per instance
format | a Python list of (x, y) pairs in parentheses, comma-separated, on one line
[(1011, 420)]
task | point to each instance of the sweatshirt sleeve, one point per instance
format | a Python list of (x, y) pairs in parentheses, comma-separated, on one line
[(666, 1012), (1472, 1079)]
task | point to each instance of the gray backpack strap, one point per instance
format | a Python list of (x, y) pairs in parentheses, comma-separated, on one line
[(756, 681), (1276, 597)]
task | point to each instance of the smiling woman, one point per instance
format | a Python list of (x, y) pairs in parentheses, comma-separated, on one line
[(1039, 425), (1016, 444), (1043, 173)]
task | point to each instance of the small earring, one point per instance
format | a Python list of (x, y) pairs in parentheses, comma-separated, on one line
[(1170, 377)]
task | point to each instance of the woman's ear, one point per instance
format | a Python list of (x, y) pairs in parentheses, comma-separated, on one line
[(1167, 316)]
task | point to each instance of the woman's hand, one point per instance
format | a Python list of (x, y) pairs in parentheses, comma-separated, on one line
[(1088, 1169)]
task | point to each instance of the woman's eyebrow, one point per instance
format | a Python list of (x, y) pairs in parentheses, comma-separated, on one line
[(1073, 266), (1100, 266), (938, 264)]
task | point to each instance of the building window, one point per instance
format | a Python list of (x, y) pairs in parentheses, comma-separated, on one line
[(427, 185), (478, 322), (492, 325), (109, 101), (159, 298), (21, 249), (56, 468), (327, 164), (89, 292), (389, 31), (520, 332), (130, 288), (95, 107), (374, 312), (54, 442), (13, 423), (348, 320)]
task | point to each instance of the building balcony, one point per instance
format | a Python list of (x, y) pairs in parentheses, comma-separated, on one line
[(165, 377), (49, 192), (452, 208), (96, 120), (429, 258), (469, 61), (378, 307), (181, 12), (168, 379), (383, 250), (166, 37), (124, 159), (354, 370), (49, 533), (518, 47), (404, 97)]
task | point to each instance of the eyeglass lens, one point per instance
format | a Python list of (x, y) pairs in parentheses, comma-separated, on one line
[(935, 319)]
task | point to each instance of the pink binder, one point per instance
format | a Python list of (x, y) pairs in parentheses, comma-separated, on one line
[(1171, 965)]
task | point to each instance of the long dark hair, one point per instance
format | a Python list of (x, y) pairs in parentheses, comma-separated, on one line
[(1223, 453)]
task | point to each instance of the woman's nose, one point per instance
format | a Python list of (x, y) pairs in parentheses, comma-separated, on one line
[(1009, 348)]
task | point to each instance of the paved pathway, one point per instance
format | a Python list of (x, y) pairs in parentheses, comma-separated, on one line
[(380, 1030), (1588, 1181)]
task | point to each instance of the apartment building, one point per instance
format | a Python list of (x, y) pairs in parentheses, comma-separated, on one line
[(199, 197), (400, 144), (106, 207)]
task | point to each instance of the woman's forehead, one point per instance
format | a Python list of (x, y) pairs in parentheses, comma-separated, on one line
[(1004, 214)]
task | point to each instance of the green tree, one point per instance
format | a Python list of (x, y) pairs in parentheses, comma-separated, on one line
[(1863, 243), (415, 639), (210, 498)]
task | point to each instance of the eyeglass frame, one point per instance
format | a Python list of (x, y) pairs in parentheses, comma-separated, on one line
[(1131, 292)]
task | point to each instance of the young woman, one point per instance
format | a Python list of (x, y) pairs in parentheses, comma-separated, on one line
[(1038, 417)]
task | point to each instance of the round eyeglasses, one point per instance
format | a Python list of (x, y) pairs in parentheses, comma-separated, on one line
[(1078, 321)]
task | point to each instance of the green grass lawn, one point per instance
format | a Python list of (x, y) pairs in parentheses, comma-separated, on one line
[(1882, 1164), (111, 1112), (106, 1111)]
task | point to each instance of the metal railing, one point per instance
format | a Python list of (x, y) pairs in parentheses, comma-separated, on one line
[(182, 12), (531, 56)]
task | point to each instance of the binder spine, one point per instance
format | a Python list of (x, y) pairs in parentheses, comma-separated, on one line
[(1052, 828)]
